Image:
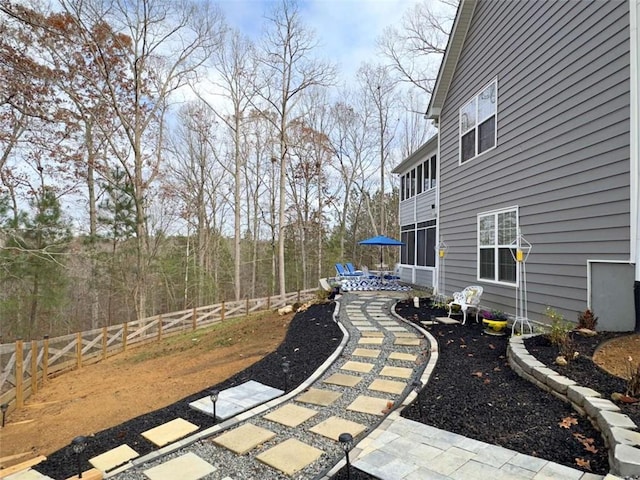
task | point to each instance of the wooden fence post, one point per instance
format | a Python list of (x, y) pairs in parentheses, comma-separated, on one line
[(246, 306), (298, 296), (79, 350), (45, 359), (34, 367), (19, 373), (194, 319), (104, 343), (125, 332), (159, 327), (269, 302), (222, 311)]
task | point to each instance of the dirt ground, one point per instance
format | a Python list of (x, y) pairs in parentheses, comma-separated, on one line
[(613, 355), (140, 380)]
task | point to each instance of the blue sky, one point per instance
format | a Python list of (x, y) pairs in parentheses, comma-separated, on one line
[(346, 30)]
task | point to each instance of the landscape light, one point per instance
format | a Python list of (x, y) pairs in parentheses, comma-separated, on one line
[(286, 368), (78, 445), (346, 440), (417, 386), (4, 407), (213, 395)]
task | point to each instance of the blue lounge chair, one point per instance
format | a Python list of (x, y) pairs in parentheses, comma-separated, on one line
[(351, 269), (343, 274)]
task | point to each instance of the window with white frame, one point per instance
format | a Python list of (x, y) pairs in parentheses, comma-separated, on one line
[(419, 179), (496, 232), (478, 123)]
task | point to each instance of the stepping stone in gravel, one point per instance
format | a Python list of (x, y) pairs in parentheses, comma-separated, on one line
[(113, 458), (186, 467), (316, 396), (291, 415), (387, 386), (406, 341), (376, 334), (447, 320), (396, 329), (332, 427), (290, 456), (360, 367), (343, 380), (429, 322), (169, 432), (399, 372), (405, 334), (367, 329), (370, 341), (370, 405), (407, 357), (366, 352), (31, 474), (361, 323), (388, 323), (242, 439)]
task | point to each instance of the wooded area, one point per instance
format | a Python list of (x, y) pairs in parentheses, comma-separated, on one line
[(153, 159)]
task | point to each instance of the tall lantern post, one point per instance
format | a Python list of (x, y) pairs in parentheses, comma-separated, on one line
[(441, 250), (520, 250)]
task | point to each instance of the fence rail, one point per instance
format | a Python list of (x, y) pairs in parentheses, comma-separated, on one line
[(26, 366)]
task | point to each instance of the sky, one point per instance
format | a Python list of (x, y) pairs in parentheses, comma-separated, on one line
[(346, 30)]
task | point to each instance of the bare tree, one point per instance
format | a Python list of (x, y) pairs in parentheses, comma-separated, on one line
[(288, 65), (414, 50)]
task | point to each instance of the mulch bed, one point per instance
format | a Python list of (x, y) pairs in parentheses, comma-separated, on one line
[(474, 392), (312, 337)]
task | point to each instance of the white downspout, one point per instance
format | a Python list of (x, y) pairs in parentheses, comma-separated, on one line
[(634, 147)]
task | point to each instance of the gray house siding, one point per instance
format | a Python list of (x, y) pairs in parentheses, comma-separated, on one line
[(562, 153)]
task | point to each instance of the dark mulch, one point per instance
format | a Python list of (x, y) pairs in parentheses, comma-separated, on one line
[(310, 340), (474, 392), (582, 369)]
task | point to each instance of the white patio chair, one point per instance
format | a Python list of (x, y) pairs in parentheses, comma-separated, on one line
[(469, 298)]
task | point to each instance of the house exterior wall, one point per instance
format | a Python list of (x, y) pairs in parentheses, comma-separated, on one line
[(562, 153)]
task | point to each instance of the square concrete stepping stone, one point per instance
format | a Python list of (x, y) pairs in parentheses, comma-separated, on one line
[(291, 415), (366, 352), (169, 432), (388, 323), (113, 458), (242, 439), (186, 467), (407, 357), (361, 323), (343, 380), (407, 341), (377, 334), (387, 386), (332, 427), (290, 456), (357, 366), (395, 329), (370, 341), (317, 396), (370, 405), (447, 320), (405, 335), (235, 400), (399, 372)]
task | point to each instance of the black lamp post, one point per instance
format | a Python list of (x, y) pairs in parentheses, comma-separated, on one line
[(79, 444), (286, 368), (4, 407), (214, 398), (346, 440)]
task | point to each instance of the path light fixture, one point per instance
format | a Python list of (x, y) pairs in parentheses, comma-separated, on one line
[(4, 407), (417, 386), (346, 440), (286, 368), (78, 445), (213, 395)]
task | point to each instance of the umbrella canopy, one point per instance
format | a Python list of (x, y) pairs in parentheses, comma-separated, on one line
[(381, 241)]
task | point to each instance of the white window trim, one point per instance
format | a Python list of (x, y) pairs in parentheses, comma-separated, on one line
[(484, 214), (460, 133)]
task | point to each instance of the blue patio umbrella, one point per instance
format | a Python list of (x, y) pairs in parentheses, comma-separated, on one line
[(381, 241)]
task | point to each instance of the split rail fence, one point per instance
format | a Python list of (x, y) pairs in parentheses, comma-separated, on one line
[(26, 366)]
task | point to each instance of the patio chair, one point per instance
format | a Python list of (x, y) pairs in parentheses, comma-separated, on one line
[(467, 299), (393, 276), (351, 269), (343, 274)]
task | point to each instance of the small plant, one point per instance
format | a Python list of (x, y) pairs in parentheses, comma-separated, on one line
[(493, 315), (633, 379), (587, 320), (560, 328)]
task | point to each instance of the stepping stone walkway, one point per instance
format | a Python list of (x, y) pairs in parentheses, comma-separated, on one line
[(298, 436)]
